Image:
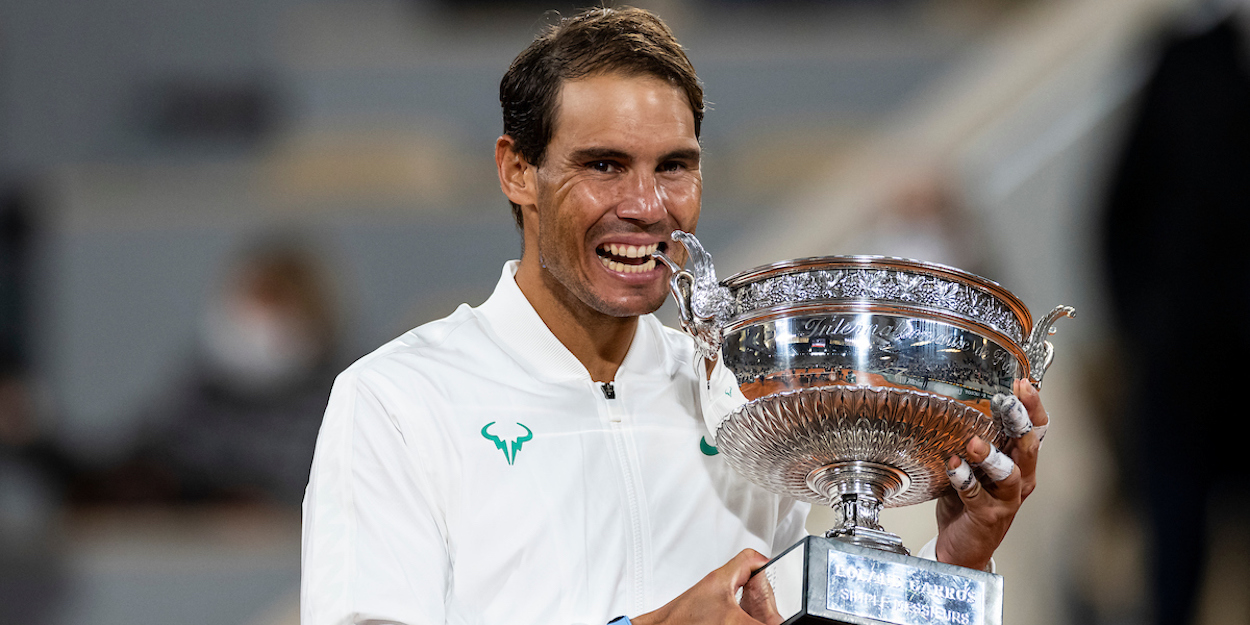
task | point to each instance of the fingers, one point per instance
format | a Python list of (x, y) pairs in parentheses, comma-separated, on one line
[(1022, 412), (960, 474), (996, 466), (1014, 417), (759, 605), (972, 523), (1020, 415), (1025, 456), (1024, 450), (1039, 432), (1032, 401), (758, 600), (989, 483), (712, 601)]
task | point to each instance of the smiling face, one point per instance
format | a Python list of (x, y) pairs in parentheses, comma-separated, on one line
[(620, 174)]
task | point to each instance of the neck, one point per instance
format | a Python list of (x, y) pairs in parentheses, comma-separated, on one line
[(600, 342)]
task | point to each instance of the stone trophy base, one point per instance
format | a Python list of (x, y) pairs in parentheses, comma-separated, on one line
[(822, 580)]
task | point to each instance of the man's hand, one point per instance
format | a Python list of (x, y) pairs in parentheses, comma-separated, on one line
[(712, 600), (973, 521)]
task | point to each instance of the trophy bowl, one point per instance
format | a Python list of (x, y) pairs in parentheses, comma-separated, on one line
[(864, 374)]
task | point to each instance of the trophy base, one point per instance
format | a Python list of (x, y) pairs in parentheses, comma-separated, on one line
[(827, 581)]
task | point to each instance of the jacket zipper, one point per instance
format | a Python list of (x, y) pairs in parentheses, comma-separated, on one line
[(614, 410)]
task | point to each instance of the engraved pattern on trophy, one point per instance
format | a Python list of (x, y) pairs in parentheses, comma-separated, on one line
[(882, 285), (781, 440)]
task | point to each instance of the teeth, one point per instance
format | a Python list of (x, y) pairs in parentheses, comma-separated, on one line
[(623, 268), (632, 251)]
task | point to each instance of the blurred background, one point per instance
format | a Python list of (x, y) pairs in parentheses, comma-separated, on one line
[(209, 208)]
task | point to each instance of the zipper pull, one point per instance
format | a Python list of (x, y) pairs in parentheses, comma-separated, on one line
[(609, 392)]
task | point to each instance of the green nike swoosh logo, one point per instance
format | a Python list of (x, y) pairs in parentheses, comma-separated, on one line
[(707, 449)]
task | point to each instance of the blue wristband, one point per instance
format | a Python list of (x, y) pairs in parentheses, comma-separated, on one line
[(620, 620)]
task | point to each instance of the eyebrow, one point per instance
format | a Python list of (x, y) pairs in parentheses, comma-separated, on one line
[(597, 153), (683, 154)]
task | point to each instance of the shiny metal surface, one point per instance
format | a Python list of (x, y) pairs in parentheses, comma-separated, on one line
[(864, 373), (905, 593), (880, 280), (820, 580), (839, 346), (789, 441)]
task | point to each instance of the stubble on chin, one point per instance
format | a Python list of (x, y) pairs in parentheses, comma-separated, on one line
[(578, 296)]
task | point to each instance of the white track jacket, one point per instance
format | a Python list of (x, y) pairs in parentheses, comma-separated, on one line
[(471, 472)]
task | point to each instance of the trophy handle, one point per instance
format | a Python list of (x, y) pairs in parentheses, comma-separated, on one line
[(702, 302), (1038, 350), (682, 287)]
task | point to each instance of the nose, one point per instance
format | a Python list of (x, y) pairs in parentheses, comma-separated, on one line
[(642, 199)]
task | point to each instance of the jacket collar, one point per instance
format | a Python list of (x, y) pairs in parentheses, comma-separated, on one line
[(518, 328)]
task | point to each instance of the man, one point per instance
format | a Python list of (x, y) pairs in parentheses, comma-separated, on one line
[(542, 458)]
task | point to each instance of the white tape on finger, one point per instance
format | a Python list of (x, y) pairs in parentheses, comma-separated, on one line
[(961, 477), (1013, 415), (1040, 431), (997, 465)]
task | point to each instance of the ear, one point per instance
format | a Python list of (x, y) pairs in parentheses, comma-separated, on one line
[(516, 175)]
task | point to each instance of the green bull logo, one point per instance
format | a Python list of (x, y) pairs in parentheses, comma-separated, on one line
[(509, 446)]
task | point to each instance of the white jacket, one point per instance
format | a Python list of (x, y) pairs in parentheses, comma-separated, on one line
[(471, 472)]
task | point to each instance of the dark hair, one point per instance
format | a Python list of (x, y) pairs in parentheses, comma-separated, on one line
[(595, 41)]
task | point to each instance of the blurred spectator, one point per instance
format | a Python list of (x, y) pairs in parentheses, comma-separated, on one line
[(925, 219), (243, 424), (1175, 227), (31, 570)]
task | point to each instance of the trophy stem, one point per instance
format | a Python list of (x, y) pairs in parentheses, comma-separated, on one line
[(857, 490), (857, 524)]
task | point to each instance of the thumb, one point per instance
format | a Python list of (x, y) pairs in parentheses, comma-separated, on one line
[(739, 569)]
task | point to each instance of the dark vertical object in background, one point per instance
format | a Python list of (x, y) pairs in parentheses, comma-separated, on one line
[(1176, 242), (14, 260), (32, 575)]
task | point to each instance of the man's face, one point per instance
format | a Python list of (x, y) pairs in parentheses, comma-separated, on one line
[(621, 173)]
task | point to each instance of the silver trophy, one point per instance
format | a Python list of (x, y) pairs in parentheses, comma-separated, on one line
[(864, 374)]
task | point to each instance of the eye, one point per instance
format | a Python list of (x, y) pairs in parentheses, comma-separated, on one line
[(671, 166), (604, 166)]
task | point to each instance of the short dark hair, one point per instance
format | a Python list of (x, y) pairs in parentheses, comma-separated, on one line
[(623, 40)]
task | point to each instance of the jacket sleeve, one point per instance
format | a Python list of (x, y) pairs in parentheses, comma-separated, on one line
[(791, 524), (374, 541), (718, 394)]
